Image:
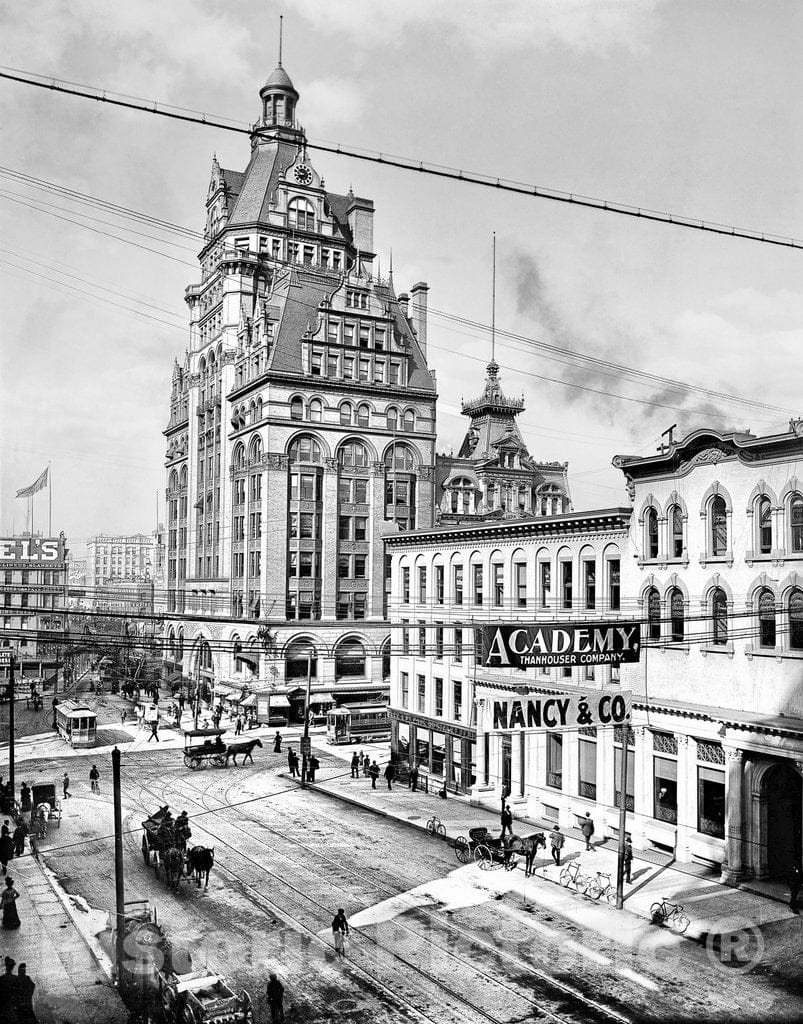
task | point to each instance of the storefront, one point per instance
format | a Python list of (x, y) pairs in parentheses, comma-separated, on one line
[(444, 750)]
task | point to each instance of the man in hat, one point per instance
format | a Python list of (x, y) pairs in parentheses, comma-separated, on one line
[(65, 782)]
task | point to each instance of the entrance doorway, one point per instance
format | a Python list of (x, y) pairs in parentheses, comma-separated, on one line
[(784, 788), (507, 764)]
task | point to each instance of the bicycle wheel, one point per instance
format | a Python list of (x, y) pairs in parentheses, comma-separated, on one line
[(594, 891), (565, 878), (582, 883), (611, 895), (679, 922), (431, 826), (657, 913), (441, 830)]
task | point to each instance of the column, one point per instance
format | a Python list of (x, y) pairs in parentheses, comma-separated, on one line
[(733, 866), (687, 796), (329, 545)]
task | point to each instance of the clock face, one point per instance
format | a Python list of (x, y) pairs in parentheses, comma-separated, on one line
[(303, 174)]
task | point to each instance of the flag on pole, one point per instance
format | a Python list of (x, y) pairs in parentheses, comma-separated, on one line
[(38, 485)]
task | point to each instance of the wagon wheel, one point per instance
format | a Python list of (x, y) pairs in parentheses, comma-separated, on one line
[(196, 763), (462, 849), (146, 853), (483, 856), (219, 760), (188, 761)]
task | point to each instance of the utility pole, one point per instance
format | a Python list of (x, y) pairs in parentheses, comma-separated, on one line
[(7, 658), (119, 880), (620, 860), (305, 743)]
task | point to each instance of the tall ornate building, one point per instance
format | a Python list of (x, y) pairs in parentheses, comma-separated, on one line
[(493, 475), (301, 432)]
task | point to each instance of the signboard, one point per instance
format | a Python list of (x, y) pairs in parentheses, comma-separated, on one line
[(306, 745), (28, 551), (516, 645), (554, 712), (5, 657)]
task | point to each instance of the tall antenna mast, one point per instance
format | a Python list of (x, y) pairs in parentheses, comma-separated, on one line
[(281, 20), (493, 304)]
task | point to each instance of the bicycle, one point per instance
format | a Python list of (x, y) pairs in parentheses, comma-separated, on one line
[(571, 876), (660, 913), (435, 827), (599, 888)]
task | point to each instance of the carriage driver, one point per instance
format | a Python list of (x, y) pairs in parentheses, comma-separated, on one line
[(182, 829), (166, 827)]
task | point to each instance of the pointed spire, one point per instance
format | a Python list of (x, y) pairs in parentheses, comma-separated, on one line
[(493, 305), (281, 32)]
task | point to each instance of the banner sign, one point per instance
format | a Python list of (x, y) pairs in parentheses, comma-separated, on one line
[(29, 551), (557, 711), (513, 645)]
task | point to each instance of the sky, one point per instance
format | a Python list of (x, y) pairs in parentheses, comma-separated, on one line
[(687, 108)]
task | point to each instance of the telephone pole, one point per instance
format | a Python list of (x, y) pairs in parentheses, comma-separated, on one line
[(305, 741), (7, 658), (119, 880), (620, 860)]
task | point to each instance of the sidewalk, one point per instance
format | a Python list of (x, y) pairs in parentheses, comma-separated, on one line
[(712, 907), (70, 986)]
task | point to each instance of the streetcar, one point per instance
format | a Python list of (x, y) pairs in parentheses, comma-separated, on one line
[(358, 723), (77, 723)]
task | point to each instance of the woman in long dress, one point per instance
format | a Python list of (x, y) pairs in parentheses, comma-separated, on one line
[(8, 901)]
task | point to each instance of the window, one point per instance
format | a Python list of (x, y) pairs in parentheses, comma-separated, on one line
[(498, 584), (554, 760), (359, 567), (587, 756), (332, 365), (296, 409), (350, 660), (566, 584), (457, 699), (353, 455), (394, 372), (345, 414), (477, 584), (651, 524), (408, 420), (406, 584), (360, 528), (796, 620), (438, 697), (305, 449), (711, 801), (256, 487), (315, 410), (617, 775), (316, 364), (458, 644), (764, 510), (422, 639), (365, 336), (422, 694), (422, 584), (677, 615), (405, 637), (766, 619), (392, 418), (544, 583), (342, 567), (665, 789), (520, 577), (614, 584), (405, 689), (796, 522), (439, 641), (653, 614), (458, 585), (590, 584), (360, 492), (438, 570), (344, 528), (364, 369), (719, 612), (676, 525), (301, 214), (719, 526), (363, 415)]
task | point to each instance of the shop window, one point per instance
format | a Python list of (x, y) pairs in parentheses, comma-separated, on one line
[(554, 760), (617, 777), (665, 788), (587, 754), (711, 801)]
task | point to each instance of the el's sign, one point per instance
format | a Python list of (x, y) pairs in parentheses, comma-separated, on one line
[(513, 645), (559, 711), (31, 550)]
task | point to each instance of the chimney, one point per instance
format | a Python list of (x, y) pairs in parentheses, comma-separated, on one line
[(361, 223), (404, 298), (419, 318)]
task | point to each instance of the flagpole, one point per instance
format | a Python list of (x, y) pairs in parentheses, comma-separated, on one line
[(49, 501)]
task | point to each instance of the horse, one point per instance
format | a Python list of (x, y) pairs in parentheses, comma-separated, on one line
[(173, 863), (246, 748), (200, 861), (531, 847)]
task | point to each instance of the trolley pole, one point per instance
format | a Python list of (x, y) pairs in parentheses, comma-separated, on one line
[(620, 860), (119, 880), (305, 745)]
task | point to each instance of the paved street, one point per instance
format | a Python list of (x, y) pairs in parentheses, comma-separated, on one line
[(431, 938)]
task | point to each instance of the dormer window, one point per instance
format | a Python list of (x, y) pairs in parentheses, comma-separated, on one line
[(356, 299), (301, 214)]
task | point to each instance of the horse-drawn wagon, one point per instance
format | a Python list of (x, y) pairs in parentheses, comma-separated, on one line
[(45, 807), (163, 845), (488, 851), (212, 749)]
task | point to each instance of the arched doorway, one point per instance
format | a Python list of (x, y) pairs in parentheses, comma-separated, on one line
[(784, 789)]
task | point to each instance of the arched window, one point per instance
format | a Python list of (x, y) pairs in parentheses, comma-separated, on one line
[(462, 495), (764, 510), (345, 414), (651, 527), (256, 449), (300, 656), (182, 482), (173, 481), (766, 618), (677, 615), (297, 409), (719, 615), (399, 456), (386, 659), (301, 214), (363, 415), (353, 455), (315, 410), (796, 522), (239, 457), (653, 614), (392, 416), (305, 449), (796, 620), (676, 525), (408, 420), (350, 660), (719, 526)]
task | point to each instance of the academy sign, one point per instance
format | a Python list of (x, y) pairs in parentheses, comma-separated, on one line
[(512, 645)]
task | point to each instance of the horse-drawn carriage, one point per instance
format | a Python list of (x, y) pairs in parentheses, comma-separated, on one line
[(164, 844), (45, 807), (212, 749), (490, 851)]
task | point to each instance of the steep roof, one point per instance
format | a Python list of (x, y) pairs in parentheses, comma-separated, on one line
[(265, 168)]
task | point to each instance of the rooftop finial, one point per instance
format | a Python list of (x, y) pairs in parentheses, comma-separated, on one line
[(281, 21), (493, 304)]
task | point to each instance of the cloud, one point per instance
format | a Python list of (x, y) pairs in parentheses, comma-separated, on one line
[(490, 26), (333, 101)]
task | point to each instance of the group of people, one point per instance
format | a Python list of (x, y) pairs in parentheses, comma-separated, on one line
[(361, 764), (16, 994), (313, 764), (12, 843)]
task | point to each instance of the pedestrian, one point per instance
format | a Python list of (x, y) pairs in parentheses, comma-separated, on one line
[(366, 765), (8, 901), (313, 764), (794, 886), (154, 731), (277, 743), (25, 797), (628, 856), (587, 828), (238, 728), (556, 840), (94, 779), (8, 987), (275, 994), (292, 762), (181, 703), (507, 820), (25, 987), (390, 774), (123, 716), (65, 783), (20, 832), (5, 830), (340, 929), (355, 765), (414, 778), (6, 849), (373, 771)]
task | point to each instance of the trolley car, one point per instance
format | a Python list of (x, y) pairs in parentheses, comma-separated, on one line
[(358, 723), (76, 723)]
